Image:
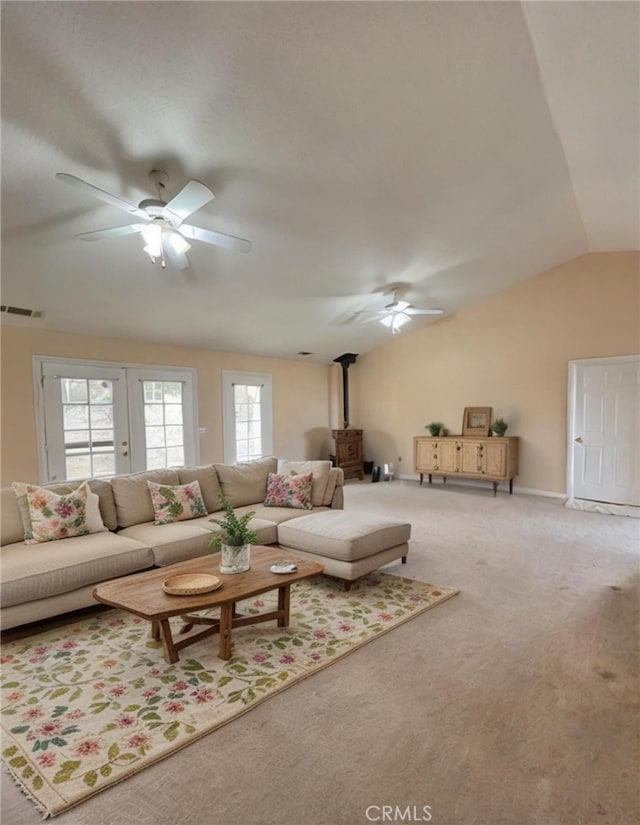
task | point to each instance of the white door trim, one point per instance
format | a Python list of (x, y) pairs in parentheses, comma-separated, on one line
[(571, 409)]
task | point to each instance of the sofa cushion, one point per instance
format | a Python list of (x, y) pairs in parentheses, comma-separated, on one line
[(104, 492), (40, 570), (131, 495), (335, 475), (344, 536), (172, 542), (207, 478), (179, 502), (11, 521), (289, 491), (274, 514), (320, 470), (265, 528), (245, 483)]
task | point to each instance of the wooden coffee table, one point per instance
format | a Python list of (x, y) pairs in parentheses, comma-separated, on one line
[(142, 594)]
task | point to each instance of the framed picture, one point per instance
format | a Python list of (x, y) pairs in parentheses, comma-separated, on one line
[(476, 421)]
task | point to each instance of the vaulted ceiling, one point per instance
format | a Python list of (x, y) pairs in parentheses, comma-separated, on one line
[(448, 148)]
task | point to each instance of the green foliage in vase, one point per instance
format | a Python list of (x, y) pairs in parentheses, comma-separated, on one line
[(235, 531), (499, 426), (434, 428)]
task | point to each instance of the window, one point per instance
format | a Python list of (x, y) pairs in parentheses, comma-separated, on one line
[(97, 419), (247, 416), (87, 423), (163, 424)]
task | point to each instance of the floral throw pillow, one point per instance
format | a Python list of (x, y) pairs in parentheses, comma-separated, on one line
[(93, 517), (176, 503), (289, 491), (55, 516)]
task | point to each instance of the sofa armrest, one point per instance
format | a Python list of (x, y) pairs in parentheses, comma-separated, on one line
[(336, 477)]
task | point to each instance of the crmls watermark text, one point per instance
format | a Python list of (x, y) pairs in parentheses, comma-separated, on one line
[(398, 813)]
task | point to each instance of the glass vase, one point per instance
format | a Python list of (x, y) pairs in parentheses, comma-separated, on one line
[(235, 559)]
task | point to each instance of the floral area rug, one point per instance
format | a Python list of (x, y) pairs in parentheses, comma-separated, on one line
[(87, 705)]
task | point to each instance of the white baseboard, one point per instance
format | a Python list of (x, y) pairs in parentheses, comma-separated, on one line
[(470, 482), (603, 507)]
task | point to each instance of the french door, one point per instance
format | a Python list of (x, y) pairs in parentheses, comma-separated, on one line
[(86, 421), (604, 430), (101, 420)]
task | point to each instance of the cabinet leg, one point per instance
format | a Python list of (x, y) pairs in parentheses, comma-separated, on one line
[(421, 477), (429, 478), (444, 479), (510, 486), (495, 489)]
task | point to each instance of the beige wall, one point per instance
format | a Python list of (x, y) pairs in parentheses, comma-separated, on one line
[(301, 393), (509, 352)]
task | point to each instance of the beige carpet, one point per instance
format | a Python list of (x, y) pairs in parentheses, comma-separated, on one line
[(516, 703)]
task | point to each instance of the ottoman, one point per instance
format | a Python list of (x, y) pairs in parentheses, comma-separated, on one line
[(349, 545)]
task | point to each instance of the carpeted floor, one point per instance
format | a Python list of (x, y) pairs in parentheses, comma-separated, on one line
[(516, 703)]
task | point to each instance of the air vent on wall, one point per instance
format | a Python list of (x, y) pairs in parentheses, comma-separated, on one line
[(29, 313)]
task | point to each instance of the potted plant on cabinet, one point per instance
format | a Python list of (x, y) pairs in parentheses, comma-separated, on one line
[(434, 428), (235, 540), (499, 427)]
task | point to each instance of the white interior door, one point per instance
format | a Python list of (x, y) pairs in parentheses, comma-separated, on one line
[(604, 425)]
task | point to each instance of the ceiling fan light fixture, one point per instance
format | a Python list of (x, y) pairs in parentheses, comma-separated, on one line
[(160, 231), (179, 244), (153, 252), (395, 320)]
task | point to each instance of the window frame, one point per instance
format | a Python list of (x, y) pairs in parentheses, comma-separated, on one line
[(265, 380)]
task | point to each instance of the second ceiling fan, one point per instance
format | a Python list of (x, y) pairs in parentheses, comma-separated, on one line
[(397, 313), (160, 223)]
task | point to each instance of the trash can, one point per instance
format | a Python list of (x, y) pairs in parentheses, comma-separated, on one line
[(375, 472), (367, 466)]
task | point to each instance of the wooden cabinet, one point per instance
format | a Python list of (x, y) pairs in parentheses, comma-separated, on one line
[(348, 453), (493, 459)]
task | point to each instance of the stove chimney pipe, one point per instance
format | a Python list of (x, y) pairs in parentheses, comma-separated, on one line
[(345, 361)]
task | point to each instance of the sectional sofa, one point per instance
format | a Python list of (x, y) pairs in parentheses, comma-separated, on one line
[(53, 577)]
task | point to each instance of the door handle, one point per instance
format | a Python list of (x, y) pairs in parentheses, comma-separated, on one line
[(578, 439)]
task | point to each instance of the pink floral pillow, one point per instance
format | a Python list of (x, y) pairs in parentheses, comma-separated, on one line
[(56, 516), (176, 503), (289, 491)]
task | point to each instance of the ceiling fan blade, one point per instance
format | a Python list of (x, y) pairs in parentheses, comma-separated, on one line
[(413, 311), (215, 238), (90, 189), (397, 306), (189, 199), (178, 259), (113, 232)]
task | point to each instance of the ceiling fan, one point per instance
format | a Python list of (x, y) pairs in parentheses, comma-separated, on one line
[(397, 313), (160, 223)]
